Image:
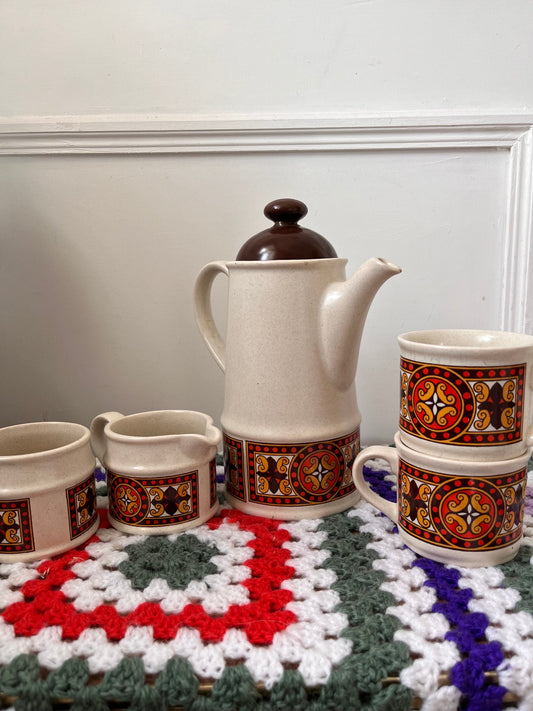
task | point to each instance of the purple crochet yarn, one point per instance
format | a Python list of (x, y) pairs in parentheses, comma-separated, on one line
[(99, 474), (468, 633), (377, 482), (528, 501), (467, 628)]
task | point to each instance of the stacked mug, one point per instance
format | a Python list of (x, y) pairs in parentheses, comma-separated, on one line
[(461, 454)]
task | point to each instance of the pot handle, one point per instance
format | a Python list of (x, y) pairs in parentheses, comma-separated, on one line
[(98, 438), (204, 313), (390, 455)]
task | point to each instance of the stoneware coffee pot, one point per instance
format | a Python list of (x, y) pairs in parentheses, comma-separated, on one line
[(290, 418)]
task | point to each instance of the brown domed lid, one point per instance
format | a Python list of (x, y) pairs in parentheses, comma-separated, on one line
[(285, 239)]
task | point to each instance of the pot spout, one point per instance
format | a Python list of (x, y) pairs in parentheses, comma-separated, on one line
[(342, 318)]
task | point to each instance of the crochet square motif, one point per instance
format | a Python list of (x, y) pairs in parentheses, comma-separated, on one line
[(259, 587), (246, 611)]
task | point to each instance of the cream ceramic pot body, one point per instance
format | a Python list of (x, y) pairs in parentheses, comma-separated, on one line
[(290, 415), (161, 469), (466, 394), (47, 490)]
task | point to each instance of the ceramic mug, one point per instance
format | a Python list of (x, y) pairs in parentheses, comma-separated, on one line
[(449, 510), (47, 490), (161, 469), (466, 394)]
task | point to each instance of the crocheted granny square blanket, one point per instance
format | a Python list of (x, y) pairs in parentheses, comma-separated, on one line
[(250, 613)]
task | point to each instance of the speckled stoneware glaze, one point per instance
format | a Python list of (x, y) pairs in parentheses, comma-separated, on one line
[(47, 490), (161, 469), (466, 394), (465, 513), (290, 417)]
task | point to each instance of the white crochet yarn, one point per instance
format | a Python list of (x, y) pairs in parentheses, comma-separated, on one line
[(513, 630), (422, 630), (311, 644)]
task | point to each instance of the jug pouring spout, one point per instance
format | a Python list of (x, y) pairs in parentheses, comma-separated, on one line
[(342, 318)]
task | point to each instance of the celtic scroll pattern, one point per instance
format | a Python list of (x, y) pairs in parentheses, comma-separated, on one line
[(436, 404), (298, 474), (162, 501), (16, 530), (496, 405), (82, 506), (462, 513), (462, 405)]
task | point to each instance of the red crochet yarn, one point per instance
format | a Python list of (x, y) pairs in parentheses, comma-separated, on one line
[(46, 605)]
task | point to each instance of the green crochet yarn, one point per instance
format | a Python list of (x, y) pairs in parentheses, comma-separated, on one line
[(340, 692), (178, 562), (289, 693), (23, 671), (147, 699), (370, 668), (391, 698), (34, 697), (519, 575), (354, 685), (359, 611), (120, 683), (379, 628), (177, 683), (375, 654), (89, 699), (69, 679), (235, 689)]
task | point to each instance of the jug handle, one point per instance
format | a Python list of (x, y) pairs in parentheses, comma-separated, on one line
[(204, 313), (98, 438)]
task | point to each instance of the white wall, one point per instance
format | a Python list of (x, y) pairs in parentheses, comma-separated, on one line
[(210, 57), (139, 140)]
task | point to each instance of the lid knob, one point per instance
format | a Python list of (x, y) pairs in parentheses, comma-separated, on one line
[(285, 239), (285, 210)]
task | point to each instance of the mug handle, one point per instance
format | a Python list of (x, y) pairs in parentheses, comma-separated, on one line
[(204, 313), (390, 455), (98, 438)]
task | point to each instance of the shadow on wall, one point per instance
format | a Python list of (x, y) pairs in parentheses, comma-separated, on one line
[(51, 338)]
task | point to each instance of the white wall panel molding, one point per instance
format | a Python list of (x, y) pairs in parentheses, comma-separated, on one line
[(517, 293), (184, 134), (124, 135)]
